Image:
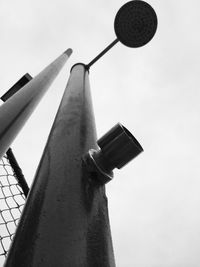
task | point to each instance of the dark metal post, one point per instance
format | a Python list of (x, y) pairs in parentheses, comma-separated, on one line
[(65, 220)]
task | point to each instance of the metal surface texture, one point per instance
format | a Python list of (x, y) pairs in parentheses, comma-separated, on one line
[(65, 221), (135, 23), (17, 109)]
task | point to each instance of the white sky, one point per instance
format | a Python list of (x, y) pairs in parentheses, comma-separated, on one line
[(154, 201)]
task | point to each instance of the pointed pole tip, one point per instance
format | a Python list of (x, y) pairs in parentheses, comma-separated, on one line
[(68, 52)]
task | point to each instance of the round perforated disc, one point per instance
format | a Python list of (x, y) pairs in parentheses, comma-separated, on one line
[(135, 23)]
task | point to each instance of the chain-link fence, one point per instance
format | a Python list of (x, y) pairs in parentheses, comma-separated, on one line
[(13, 192)]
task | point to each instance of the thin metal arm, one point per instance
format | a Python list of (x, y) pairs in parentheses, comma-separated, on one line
[(102, 53)]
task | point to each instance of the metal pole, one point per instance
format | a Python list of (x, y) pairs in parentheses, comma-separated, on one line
[(65, 220), (17, 86), (102, 53), (18, 108)]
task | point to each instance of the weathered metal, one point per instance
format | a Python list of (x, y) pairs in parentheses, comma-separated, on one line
[(65, 220), (17, 109)]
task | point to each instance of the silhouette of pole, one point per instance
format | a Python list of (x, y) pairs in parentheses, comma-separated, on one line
[(17, 109), (65, 219)]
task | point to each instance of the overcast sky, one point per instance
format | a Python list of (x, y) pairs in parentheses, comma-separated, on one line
[(154, 202)]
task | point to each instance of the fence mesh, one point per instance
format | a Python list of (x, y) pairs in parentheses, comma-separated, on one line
[(12, 200)]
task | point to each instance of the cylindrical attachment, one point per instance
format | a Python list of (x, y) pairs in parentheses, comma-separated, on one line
[(119, 146)]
